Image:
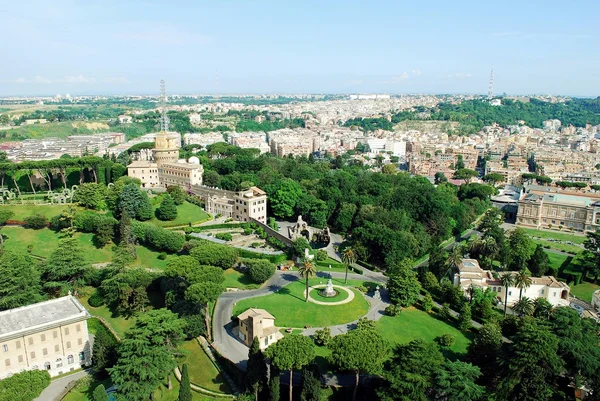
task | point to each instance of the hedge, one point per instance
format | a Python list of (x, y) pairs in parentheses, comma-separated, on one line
[(157, 237), (244, 253), (215, 226)]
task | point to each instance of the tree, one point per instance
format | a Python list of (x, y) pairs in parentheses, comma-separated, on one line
[(493, 178), (299, 245), (389, 169), (455, 381), (311, 387), (349, 258), (460, 164), (485, 350), (522, 281), (24, 386), (129, 199), (274, 385), (66, 266), (90, 195), (177, 194), (105, 231), (203, 294), (403, 285), (256, 371), (283, 198), (167, 209), (360, 351), (427, 302), (185, 391), (20, 283), (592, 247), (464, 318), (260, 270), (539, 262), (455, 257), (145, 211), (410, 373), (100, 393), (465, 174), (307, 270), (531, 364), (211, 254), (507, 280), (440, 178), (104, 351), (291, 352), (523, 307), (542, 308), (521, 247), (127, 290)]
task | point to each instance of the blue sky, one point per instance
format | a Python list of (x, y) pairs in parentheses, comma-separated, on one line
[(326, 46)]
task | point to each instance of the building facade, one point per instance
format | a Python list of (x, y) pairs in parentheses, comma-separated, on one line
[(250, 204), (50, 335), (260, 324)]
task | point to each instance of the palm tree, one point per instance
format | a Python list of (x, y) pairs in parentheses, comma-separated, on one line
[(307, 270), (522, 281), (507, 280), (524, 307), (348, 257), (455, 257)]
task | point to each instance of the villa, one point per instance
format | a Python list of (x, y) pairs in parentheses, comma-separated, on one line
[(258, 323), (472, 275)]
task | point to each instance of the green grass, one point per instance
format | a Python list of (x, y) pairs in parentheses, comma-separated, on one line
[(413, 323), (202, 370), (186, 213), (561, 247), (22, 211), (341, 295), (38, 131), (236, 279), (584, 290), (119, 324), (562, 236), (290, 309), (557, 260), (45, 241), (84, 389)]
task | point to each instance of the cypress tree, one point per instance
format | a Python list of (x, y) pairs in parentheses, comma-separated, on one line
[(100, 393), (256, 368), (274, 385), (185, 392), (167, 209)]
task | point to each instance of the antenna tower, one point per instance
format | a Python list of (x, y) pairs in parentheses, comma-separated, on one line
[(164, 120), (491, 87)]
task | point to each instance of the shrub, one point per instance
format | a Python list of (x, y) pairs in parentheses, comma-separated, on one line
[(321, 255), (427, 302), (322, 336), (224, 236), (86, 222), (36, 221), (247, 231), (96, 300), (260, 270), (212, 254), (444, 313), (177, 194), (157, 237), (445, 340), (162, 256), (393, 310), (57, 223)]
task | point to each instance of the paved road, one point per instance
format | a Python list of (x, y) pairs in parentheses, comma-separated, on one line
[(466, 235), (58, 385)]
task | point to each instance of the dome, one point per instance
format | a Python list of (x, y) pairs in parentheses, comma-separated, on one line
[(194, 160)]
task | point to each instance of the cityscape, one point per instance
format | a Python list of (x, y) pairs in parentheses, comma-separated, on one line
[(315, 202)]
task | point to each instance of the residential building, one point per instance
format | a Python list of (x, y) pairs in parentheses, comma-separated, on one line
[(260, 324), (470, 275), (181, 174), (250, 204), (145, 171), (50, 335)]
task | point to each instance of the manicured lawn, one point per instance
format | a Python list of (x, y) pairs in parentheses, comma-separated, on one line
[(202, 370), (186, 213), (584, 290), (556, 260), (562, 236), (45, 241), (341, 295), (84, 389), (22, 211), (119, 324), (236, 279), (557, 245), (413, 323), (290, 309)]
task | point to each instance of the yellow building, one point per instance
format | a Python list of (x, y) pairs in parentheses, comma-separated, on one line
[(50, 335), (258, 323)]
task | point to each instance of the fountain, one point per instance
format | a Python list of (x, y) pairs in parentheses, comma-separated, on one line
[(328, 292)]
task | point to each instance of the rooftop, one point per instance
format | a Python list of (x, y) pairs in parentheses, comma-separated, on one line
[(31, 317), (255, 312)]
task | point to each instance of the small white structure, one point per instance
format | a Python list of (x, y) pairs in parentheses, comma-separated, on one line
[(472, 275)]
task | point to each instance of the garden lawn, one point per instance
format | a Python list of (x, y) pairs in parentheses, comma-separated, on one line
[(45, 241), (290, 309), (236, 279), (584, 290), (557, 260), (557, 245), (186, 213), (119, 324), (201, 368), (22, 211), (413, 323), (577, 239)]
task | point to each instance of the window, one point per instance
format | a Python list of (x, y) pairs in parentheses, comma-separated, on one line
[(7, 362), (55, 334), (56, 348), (20, 358), (32, 354), (81, 356), (5, 348), (59, 363), (43, 337), (66, 331), (554, 294), (79, 341), (47, 365), (509, 293), (543, 292), (70, 359), (45, 351), (68, 344), (18, 344), (78, 328), (30, 341)]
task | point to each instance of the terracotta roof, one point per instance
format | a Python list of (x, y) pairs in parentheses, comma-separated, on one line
[(255, 312)]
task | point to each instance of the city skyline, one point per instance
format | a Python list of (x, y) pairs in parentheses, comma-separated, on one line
[(266, 48)]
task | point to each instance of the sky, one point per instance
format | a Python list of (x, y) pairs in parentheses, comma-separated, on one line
[(121, 47)]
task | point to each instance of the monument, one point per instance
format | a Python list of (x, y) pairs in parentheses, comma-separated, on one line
[(328, 292)]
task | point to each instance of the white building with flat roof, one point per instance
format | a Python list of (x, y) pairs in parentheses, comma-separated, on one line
[(51, 335)]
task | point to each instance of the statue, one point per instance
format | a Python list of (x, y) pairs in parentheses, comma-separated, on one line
[(328, 291)]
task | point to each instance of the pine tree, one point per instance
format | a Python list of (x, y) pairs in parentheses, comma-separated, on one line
[(185, 392), (100, 393), (144, 209), (464, 319), (167, 209), (256, 368)]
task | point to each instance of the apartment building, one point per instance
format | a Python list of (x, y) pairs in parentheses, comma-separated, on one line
[(50, 335), (250, 204), (181, 174)]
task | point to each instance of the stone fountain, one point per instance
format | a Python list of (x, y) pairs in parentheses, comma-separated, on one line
[(328, 292)]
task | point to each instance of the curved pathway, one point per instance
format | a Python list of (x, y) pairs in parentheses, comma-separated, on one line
[(348, 291)]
